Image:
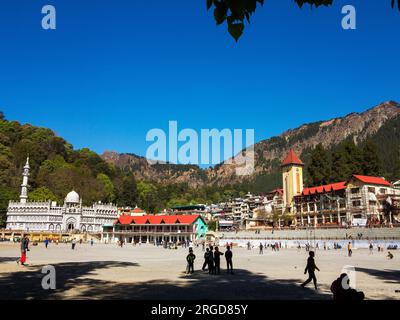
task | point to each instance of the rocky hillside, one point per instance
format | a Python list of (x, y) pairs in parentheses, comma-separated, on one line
[(269, 152)]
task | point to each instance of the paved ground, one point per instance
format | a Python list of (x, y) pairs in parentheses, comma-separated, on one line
[(148, 272)]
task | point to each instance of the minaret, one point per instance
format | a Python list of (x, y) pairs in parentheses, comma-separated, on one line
[(24, 186)]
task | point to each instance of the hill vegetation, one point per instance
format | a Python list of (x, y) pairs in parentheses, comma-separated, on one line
[(370, 146)]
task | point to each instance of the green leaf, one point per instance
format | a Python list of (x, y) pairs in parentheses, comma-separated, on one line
[(220, 14), (236, 30)]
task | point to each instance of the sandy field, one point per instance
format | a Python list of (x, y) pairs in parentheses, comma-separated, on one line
[(149, 272)]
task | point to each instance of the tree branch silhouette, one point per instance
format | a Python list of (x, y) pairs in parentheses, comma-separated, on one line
[(237, 12)]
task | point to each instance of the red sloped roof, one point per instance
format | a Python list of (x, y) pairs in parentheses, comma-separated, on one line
[(188, 219), (280, 191), (372, 180), (167, 219), (325, 188), (292, 158), (123, 219)]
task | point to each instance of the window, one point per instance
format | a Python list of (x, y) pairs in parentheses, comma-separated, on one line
[(355, 190), (298, 182), (357, 203), (371, 189), (382, 190)]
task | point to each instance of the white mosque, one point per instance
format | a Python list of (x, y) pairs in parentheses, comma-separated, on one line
[(49, 216)]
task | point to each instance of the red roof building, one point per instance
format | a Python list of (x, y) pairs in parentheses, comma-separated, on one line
[(325, 188), (156, 229), (292, 159), (372, 180), (157, 220)]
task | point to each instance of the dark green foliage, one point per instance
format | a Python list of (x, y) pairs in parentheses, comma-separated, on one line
[(234, 12), (346, 160), (237, 12), (6, 194), (371, 165), (387, 142), (57, 169), (319, 169), (212, 225), (128, 194)]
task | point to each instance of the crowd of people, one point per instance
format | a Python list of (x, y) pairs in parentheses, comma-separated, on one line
[(212, 262)]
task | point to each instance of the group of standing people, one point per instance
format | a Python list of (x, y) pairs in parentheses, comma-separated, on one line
[(212, 260)]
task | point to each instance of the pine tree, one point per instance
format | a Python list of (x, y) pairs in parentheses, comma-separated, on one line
[(371, 165), (346, 160), (128, 196), (319, 169), (396, 170)]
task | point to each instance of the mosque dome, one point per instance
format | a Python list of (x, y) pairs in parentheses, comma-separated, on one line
[(72, 197)]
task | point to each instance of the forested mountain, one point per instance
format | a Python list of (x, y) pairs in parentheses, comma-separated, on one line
[(365, 143), (378, 125)]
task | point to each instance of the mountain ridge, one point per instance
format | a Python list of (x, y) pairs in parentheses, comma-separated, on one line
[(268, 152)]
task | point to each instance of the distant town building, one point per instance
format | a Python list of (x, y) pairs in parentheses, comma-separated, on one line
[(49, 216), (127, 211), (156, 228), (359, 201)]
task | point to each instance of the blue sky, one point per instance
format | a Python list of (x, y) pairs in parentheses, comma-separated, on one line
[(115, 69)]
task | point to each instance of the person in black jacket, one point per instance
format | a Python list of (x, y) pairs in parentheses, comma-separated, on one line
[(211, 269), (190, 260), (206, 259), (343, 292), (310, 268), (217, 260), (228, 257)]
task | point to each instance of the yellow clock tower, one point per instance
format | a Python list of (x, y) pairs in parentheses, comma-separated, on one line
[(292, 176)]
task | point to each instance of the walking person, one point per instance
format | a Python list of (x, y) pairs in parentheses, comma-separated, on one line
[(371, 248), (310, 268), (261, 248), (349, 251), (228, 257), (46, 242), (26, 243), (217, 260), (190, 260), (73, 244), (91, 242)]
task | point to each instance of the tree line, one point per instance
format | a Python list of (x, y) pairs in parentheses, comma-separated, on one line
[(338, 163), (57, 168)]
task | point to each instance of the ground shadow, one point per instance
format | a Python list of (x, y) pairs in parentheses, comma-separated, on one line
[(242, 285), (27, 283), (389, 276), (8, 259)]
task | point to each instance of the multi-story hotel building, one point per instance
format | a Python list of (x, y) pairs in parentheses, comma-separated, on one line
[(361, 200)]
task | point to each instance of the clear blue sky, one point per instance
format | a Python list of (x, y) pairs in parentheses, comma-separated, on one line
[(115, 69)]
